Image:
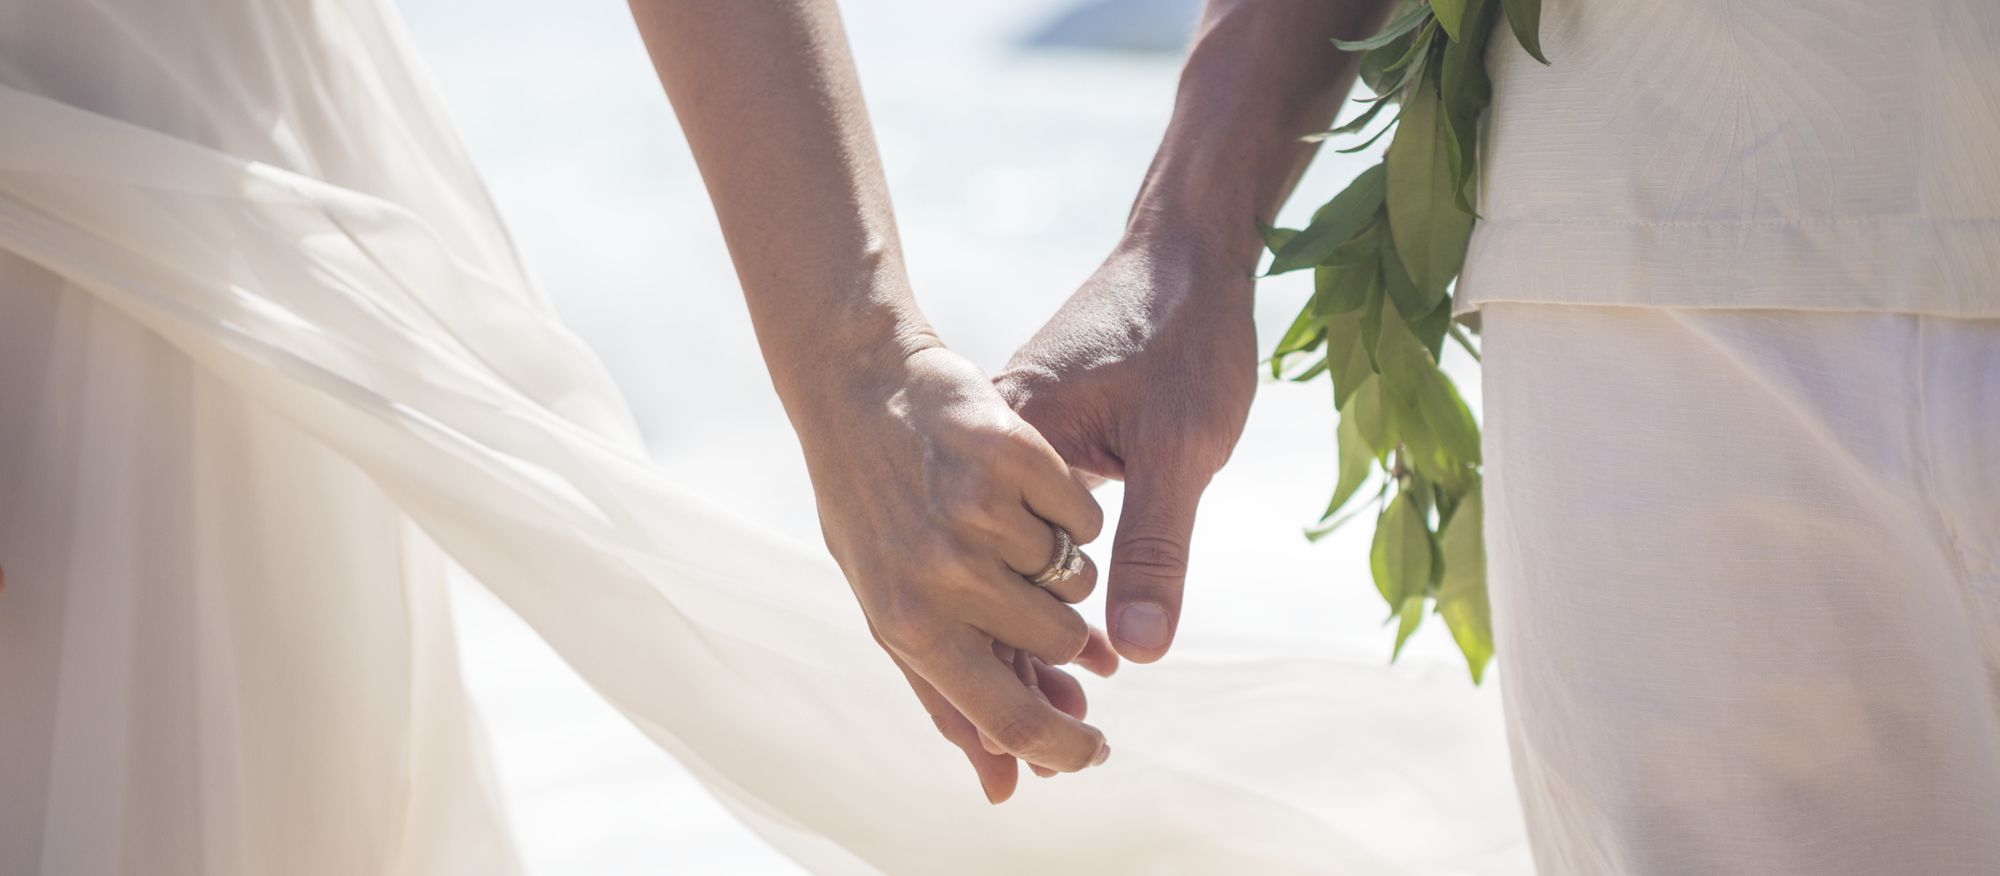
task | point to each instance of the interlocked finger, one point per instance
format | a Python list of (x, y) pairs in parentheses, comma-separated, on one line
[(1013, 611), (988, 692)]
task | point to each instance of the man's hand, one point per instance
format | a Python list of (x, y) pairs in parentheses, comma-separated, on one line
[(1145, 375)]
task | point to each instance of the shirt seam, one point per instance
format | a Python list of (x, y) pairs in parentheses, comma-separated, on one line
[(1743, 223)]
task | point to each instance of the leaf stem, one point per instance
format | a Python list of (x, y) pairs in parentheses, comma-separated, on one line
[(1458, 334)]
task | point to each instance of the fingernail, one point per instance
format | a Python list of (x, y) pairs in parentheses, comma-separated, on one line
[(1143, 624), (1044, 772), (1103, 754)]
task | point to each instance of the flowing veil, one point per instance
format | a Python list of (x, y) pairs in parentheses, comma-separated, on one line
[(272, 191)]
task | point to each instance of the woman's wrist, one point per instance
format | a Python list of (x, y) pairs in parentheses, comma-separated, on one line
[(849, 355), (856, 373)]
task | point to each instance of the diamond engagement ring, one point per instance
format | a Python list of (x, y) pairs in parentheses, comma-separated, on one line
[(1064, 565)]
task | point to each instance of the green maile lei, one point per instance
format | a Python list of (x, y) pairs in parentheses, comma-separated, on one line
[(1384, 254)]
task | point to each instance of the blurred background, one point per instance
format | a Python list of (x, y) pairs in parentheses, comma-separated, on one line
[(1015, 134)]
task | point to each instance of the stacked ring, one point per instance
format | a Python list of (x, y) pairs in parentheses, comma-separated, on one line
[(1064, 565)]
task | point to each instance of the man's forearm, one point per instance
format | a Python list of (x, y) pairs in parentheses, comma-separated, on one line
[(1261, 74)]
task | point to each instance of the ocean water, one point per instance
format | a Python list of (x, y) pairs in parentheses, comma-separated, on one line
[(1014, 135)]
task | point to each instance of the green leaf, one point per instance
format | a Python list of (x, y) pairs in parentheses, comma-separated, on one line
[(1447, 502), (1421, 58), (1450, 16), (1411, 614), (1424, 492), (1429, 46), (1465, 92), (1449, 418), (1350, 362), (1462, 595), (1362, 247), (1416, 49), (1403, 291), (1418, 400), (1410, 371), (1422, 452), (1400, 558), (1350, 150), (1334, 223), (1315, 533), (1403, 360), (1346, 289), (1275, 238), (1525, 16), (1377, 64), (1431, 327), (1356, 460), (1411, 16), (1437, 549), (1429, 230), (1465, 191), (1458, 334), (1371, 328), (1353, 126), (1305, 333), (1279, 361), (1371, 420), (1462, 74)]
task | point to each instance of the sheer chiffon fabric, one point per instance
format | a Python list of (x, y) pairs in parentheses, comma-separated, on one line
[(267, 360)]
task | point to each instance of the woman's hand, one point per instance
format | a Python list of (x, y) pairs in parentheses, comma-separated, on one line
[(936, 499), (938, 502)]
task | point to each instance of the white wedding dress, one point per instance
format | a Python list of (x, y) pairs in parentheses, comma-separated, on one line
[(267, 359)]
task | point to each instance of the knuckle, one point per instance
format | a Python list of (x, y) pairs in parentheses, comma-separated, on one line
[(1029, 447), (1085, 581), (909, 631), (1151, 554), (971, 507), (934, 560), (1023, 732), (1027, 387), (1214, 457), (1018, 437), (993, 443), (946, 728), (1071, 638), (1093, 521)]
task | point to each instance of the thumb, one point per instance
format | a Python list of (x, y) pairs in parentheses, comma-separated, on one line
[(1149, 560)]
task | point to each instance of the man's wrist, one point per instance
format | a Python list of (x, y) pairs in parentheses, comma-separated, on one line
[(1210, 236), (1261, 75)]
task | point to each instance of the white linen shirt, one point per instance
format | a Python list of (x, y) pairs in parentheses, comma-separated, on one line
[(1797, 154)]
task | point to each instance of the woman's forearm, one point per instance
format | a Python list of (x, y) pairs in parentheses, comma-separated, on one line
[(1261, 74), (767, 95), (935, 499)]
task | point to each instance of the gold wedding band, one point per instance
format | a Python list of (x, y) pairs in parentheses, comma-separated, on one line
[(1064, 565)]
